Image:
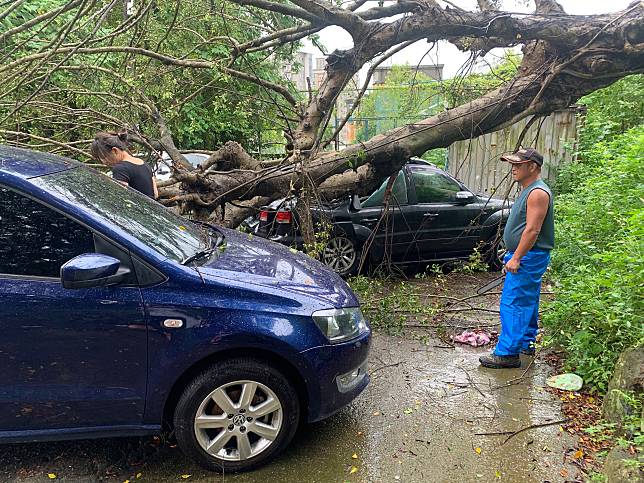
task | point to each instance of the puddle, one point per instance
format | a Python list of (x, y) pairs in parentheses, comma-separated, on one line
[(416, 423)]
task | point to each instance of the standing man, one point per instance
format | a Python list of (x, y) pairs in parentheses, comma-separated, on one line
[(529, 236)]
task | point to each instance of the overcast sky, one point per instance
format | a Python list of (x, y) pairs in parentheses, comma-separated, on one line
[(448, 55)]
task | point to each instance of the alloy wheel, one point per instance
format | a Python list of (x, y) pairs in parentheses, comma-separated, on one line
[(339, 254), (238, 420)]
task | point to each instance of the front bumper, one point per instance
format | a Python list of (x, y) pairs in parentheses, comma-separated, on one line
[(337, 375)]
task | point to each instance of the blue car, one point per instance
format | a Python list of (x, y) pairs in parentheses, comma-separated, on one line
[(119, 317)]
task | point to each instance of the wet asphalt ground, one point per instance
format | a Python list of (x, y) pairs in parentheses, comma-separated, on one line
[(419, 420)]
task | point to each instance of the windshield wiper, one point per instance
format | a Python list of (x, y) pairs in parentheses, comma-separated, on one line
[(206, 252)]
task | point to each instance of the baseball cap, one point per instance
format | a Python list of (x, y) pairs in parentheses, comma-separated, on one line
[(523, 156)]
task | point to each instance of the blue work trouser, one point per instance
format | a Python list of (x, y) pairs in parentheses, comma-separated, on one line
[(520, 303)]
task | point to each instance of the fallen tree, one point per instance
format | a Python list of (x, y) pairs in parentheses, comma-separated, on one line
[(564, 58)]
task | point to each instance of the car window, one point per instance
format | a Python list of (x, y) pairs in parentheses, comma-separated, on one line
[(195, 158), (150, 222), (36, 240), (398, 193), (433, 186)]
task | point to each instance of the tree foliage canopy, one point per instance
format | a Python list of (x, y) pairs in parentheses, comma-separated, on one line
[(203, 108), (201, 73), (598, 265)]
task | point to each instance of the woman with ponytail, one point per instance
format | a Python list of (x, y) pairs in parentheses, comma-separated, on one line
[(111, 149)]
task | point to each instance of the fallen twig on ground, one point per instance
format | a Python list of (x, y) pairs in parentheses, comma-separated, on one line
[(532, 426), (463, 384), (463, 299), (512, 434), (468, 309), (494, 433), (385, 367), (448, 311), (469, 378), (443, 326)]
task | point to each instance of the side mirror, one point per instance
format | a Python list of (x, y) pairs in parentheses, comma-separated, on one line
[(92, 270), (464, 197)]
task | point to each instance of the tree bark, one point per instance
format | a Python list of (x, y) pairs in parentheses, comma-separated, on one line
[(565, 57)]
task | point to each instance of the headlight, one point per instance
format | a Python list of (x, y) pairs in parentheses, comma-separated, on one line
[(340, 324)]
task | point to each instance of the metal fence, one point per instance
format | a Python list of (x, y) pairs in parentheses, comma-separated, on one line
[(476, 161)]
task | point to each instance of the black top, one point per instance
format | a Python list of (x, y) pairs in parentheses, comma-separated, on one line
[(137, 176)]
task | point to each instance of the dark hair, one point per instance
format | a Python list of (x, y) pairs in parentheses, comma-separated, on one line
[(103, 143)]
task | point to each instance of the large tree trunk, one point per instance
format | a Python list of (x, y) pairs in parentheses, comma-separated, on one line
[(567, 59)]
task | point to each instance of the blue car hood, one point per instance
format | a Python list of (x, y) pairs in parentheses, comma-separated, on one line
[(251, 259)]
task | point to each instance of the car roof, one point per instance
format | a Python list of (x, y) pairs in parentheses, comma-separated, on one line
[(420, 161), (188, 156), (25, 163)]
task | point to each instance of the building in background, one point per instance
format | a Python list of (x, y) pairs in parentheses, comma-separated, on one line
[(343, 103), (319, 72), (433, 71), (306, 68), (299, 70)]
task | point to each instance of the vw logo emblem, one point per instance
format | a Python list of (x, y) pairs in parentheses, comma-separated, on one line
[(239, 420)]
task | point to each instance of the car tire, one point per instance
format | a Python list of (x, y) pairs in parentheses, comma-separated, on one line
[(225, 441), (342, 255), (496, 253)]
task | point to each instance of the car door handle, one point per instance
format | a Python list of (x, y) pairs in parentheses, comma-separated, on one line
[(430, 215), (370, 220), (173, 323)]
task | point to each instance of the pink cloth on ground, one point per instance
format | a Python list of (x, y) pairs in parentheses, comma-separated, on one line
[(475, 338)]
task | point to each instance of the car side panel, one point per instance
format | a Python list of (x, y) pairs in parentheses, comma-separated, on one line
[(70, 358), (396, 232), (216, 319), (448, 229)]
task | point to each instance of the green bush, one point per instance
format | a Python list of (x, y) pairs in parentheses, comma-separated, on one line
[(598, 263), (610, 112)]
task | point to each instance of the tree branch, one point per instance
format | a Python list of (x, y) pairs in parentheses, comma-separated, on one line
[(41, 18), (279, 8), (364, 88), (164, 59)]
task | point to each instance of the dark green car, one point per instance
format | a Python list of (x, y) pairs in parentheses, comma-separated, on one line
[(431, 216)]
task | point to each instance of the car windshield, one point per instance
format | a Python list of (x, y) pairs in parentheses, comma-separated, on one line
[(150, 222)]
